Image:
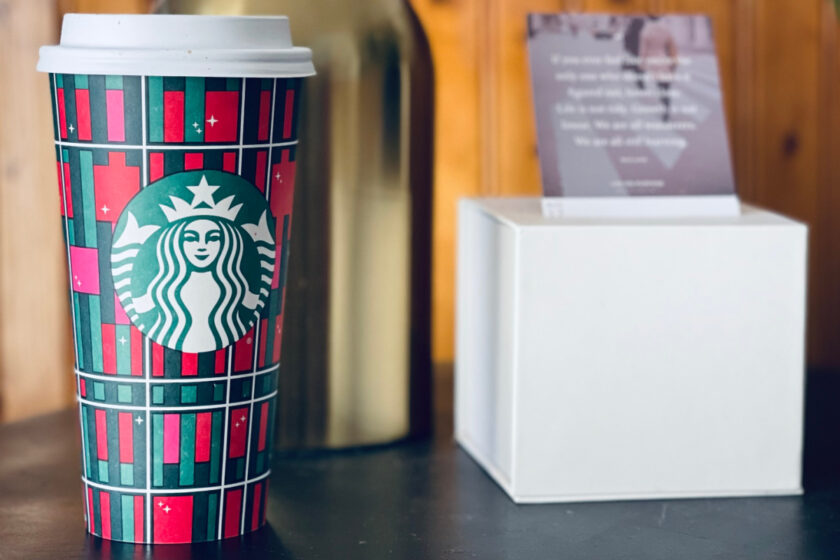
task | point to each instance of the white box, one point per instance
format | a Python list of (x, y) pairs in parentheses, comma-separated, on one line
[(606, 359)]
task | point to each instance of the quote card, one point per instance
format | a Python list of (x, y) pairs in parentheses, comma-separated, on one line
[(628, 105)]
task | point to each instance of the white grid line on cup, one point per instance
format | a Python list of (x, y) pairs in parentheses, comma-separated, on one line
[(166, 491), (182, 380), (230, 352), (225, 445), (148, 408), (147, 344), (257, 329), (70, 277), (182, 147)]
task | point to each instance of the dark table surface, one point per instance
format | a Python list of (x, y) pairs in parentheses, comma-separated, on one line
[(428, 499)]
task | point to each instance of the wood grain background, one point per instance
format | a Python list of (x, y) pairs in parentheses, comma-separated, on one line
[(779, 66), (781, 78)]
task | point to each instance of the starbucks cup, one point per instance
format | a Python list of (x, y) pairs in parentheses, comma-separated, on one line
[(175, 145)]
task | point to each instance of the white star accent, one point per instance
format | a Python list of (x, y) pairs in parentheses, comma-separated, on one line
[(195, 125), (277, 175), (71, 128), (123, 340), (242, 419), (160, 504), (198, 130), (203, 192), (167, 509), (105, 209), (237, 424), (139, 420), (212, 120), (249, 340)]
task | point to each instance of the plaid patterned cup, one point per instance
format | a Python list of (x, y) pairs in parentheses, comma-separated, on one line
[(176, 201)]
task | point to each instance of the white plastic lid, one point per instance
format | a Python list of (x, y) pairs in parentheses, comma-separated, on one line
[(176, 45)]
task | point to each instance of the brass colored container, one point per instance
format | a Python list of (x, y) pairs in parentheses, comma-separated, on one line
[(356, 368)]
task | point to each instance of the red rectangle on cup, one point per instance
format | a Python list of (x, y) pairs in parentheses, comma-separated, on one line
[(233, 507), (157, 360), (189, 364), (115, 112), (203, 428), (193, 160), (171, 438), (62, 114), (136, 351), (120, 316), (278, 338), (126, 422), (155, 166), (68, 192), (109, 350), (173, 519), (139, 515), (238, 432), (265, 115), (173, 116), (244, 352), (84, 262), (221, 113), (83, 114), (289, 114), (263, 337), (82, 387), (220, 361), (105, 513), (229, 162), (101, 435), (263, 425)]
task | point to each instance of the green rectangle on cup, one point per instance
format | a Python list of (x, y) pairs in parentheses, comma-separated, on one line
[(127, 474), (124, 394)]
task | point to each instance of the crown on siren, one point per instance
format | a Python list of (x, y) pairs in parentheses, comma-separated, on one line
[(203, 204)]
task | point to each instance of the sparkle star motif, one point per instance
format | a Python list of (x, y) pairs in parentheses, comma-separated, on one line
[(122, 340), (237, 424), (243, 418), (139, 420), (198, 130), (105, 209), (71, 128), (160, 504), (277, 175), (167, 509), (212, 120), (195, 125), (203, 192)]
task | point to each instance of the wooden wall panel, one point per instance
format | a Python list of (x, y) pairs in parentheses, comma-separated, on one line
[(779, 69), (36, 366), (824, 334), (35, 372), (453, 27)]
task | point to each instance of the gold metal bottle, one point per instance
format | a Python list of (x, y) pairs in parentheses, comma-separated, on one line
[(355, 367)]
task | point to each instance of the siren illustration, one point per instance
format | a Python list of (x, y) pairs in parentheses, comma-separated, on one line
[(194, 276)]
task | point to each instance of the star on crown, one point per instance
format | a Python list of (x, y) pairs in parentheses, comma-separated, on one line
[(203, 204)]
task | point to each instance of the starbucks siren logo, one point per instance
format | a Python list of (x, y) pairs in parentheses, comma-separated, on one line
[(193, 258)]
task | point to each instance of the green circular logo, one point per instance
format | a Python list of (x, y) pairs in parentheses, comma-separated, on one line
[(193, 258)]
